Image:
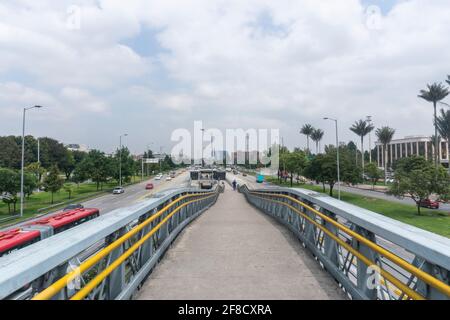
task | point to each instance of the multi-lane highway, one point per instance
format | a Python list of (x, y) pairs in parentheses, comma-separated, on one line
[(133, 193)]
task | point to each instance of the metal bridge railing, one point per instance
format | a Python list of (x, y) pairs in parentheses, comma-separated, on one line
[(371, 256), (106, 258)]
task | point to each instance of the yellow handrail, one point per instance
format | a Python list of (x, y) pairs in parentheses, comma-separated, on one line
[(436, 283), (102, 275), (57, 286), (411, 293)]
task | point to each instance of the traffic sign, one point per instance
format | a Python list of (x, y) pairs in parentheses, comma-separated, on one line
[(151, 160)]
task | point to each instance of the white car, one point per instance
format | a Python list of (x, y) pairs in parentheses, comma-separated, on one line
[(118, 190), (158, 177), (168, 178)]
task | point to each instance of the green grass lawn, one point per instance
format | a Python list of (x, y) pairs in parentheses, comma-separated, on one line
[(430, 220), (43, 199)]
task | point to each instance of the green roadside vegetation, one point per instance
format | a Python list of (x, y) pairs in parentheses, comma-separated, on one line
[(431, 220), (66, 175), (34, 204)]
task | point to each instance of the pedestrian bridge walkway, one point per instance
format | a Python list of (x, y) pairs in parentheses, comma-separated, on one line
[(266, 243), (233, 251)]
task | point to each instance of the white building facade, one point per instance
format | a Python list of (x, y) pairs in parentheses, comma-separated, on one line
[(410, 146)]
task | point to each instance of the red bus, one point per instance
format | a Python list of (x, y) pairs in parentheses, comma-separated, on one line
[(16, 239), (66, 220), (35, 231)]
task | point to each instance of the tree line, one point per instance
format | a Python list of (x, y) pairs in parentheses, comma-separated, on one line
[(60, 168), (415, 177), (321, 167)]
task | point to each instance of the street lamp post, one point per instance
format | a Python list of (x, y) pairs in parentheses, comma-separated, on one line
[(23, 157), (160, 158), (39, 161), (120, 158), (337, 156), (142, 168), (203, 135), (369, 121)]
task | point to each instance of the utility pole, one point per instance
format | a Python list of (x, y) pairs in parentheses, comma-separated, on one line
[(120, 158), (369, 120), (247, 150), (39, 152), (142, 169), (203, 135), (23, 157), (39, 163), (160, 158), (337, 156)]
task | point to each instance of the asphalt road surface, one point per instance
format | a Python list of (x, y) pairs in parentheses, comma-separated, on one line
[(133, 194)]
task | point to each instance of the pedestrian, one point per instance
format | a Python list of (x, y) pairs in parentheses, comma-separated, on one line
[(234, 185)]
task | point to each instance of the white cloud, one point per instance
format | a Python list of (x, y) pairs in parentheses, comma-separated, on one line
[(36, 39), (80, 100), (277, 63)]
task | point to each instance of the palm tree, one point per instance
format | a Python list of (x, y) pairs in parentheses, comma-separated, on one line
[(362, 128), (317, 136), (307, 130), (385, 135), (435, 93), (443, 124)]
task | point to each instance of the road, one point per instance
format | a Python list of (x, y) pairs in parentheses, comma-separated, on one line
[(133, 193), (381, 195), (251, 181)]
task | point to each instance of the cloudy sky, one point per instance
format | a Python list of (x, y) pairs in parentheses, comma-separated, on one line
[(105, 67)]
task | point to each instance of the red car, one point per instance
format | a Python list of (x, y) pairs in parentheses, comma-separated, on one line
[(149, 186), (428, 203)]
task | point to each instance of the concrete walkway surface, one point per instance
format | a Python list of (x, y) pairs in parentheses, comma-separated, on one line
[(233, 251)]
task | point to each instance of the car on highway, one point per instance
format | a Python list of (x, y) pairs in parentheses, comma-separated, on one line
[(168, 178), (244, 174), (118, 190), (428, 203), (158, 177), (73, 206), (149, 186)]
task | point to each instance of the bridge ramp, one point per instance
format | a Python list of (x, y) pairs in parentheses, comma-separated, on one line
[(233, 251)]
